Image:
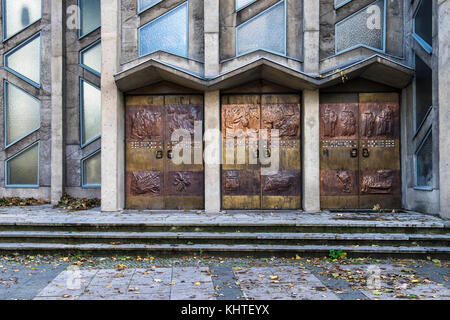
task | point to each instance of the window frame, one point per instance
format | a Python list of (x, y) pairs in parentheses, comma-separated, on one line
[(6, 83), (424, 44), (337, 6), (27, 186), (237, 9), (160, 17), (383, 50), (416, 175), (4, 28), (140, 10), (88, 142), (80, 20), (284, 54), (418, 127), (20, 46), (99, 41), (83, 161)]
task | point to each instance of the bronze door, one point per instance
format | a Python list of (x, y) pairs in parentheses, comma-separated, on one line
[(153, 179), (255, 175), (360, 152)]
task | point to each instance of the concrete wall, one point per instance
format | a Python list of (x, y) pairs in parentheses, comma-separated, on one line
[(73, 151)]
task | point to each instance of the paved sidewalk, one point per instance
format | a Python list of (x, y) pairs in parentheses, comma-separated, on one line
[(136, 278)]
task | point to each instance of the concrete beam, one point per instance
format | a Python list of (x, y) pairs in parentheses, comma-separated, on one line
[(212, 151), (113, 118), (444, 105), (57, 102), (311, 151)]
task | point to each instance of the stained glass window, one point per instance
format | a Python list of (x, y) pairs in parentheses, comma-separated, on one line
[(89, 16), (19, 14), (423, 29), (167, 33), (266, 31), (91, 58), (363, 28), (91, 112), (91, 168), (424, 163), (22, 114), (25, 60), (22, 170)]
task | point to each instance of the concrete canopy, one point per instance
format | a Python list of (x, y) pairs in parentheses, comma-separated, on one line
[(375, 68)]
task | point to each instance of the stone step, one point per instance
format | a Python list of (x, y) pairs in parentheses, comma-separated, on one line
[(395, 239), (99, 248)]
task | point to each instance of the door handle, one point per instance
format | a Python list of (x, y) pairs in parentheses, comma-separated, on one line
[(354, 153), (169, 154), (268, 153), (326, 152), (366, 153), (159, 154)]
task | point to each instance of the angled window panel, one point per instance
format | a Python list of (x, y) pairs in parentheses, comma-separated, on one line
[(168, 32), (25, 60), (22, 114), (89, 16), (340, 3), (91, 58), (364, 28), (424, 163), (91, 171), (265, 31), (19, 14), (241, 4), (22, 170), (145, 4), (423, 91), (423, 27), (91, 112)]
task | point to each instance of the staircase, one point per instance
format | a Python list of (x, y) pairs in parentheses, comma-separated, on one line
[(242, 233)]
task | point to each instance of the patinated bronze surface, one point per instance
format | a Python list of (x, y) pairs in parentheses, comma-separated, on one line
[(360, 155), (152, 180), (243, 184)]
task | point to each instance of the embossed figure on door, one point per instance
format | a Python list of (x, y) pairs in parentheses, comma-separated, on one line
[(153, 180), (244, 184), (360, 151)]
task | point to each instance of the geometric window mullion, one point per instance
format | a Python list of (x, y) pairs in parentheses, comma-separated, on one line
[(25, 60), (364, 28), (18, 15), (21, 114), (22, 169), (91, 171), (91, 58), (90, 112)]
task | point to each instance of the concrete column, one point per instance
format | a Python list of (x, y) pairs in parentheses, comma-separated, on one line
[(311, 36), (212, 151), (113, 171), (311, 151), (211, 30), (444, 105), (57, 122)]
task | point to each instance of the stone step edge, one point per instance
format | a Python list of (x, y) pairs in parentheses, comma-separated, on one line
[(225, 235), (222, 248), (237, 224)]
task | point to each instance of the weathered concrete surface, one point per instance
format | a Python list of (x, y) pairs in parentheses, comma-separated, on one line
[(58, 75), (212, 151), (211, 31), (444, 106), (311, 154), (113, 118), (311, 36)]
